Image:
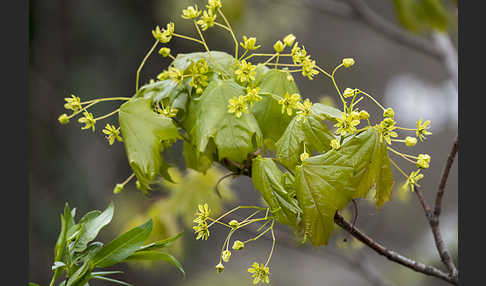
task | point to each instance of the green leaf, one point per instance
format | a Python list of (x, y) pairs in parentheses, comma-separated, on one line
[(326, 111), (92, 226), (209, 119), (199, 161), (99, 277), (268, 112), (159, 90), (268, 180), (81, 276), (323, 185), (218, 61), (155, 255), (61, 240), (123, 246), (143, 130), (369, 158), (33, 284), (161, 243), (313, 133)]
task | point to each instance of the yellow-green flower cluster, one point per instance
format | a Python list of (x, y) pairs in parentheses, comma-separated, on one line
[(413, 179), (245, 72), (249, 43), (252, 96), (201, 229), (88, 120), (422, 129), (237, 105), (191, 12), (289, 102), (112, 133), (299, 56), (164, 35), (207, 19), (199, 78), (347, 123), (73, 103), (423, 161), (386, 128), (260, 273), (173, 73), (304, 110)]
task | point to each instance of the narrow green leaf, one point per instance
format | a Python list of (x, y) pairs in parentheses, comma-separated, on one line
[(123, 246), (33, 284), (323, 185), (268, 179), (81, 276), (160, 243), (92, 226), (61, 241), (110, 280), (156, 255), (143, 130)]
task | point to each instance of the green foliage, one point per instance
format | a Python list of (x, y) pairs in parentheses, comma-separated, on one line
[(76, 254), (143, 132), (422, 15)]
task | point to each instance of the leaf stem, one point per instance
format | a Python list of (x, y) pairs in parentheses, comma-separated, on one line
[(143, 63)]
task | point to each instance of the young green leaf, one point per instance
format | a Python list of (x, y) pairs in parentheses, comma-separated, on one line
[(323, 185), (369, 158), (326, 111), (143, 130), (209, 119), (199, 161), (218, 61), (268, 180), (312, 132), (268, 112), (92, 227), (81, 276), (161, 243), (155, 255), (123, 246)]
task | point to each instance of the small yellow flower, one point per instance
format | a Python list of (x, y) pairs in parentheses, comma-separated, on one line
[(304, 109), (164, 35), (214, 4), (252, 95), (207, 20), (88, 120), (191, 12), (249, 43), (219, 268), (63, 118), (298, 54), (237, 105), (260, 273), (410, 141), (175, 74), (279, 46), (304, 156), (335, 145), (168, 112), (346, 124), (245, 72), (423, 161), (289, 102), (113, 133), (201, 230), (226, 254), (413, 179), (238, 245), (422, 129), (289, 40), (347, 62), (234, 223), (308, 66), (165, 52), (73, 103), (386, 128)]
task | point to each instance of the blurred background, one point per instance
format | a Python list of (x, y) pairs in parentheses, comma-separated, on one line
[(92, 48)]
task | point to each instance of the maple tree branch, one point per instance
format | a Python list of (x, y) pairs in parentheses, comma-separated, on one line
[(368, 241)]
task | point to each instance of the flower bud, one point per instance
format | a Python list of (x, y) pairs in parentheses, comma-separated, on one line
[(118, 188), (304, 156), (364, 115), (348, 92), (165, 52), (234, 223), (238, 245), (278, 46), (226, 255), (423, 161), (410, 141), (347, 62), (219, 268), (63, 119)]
